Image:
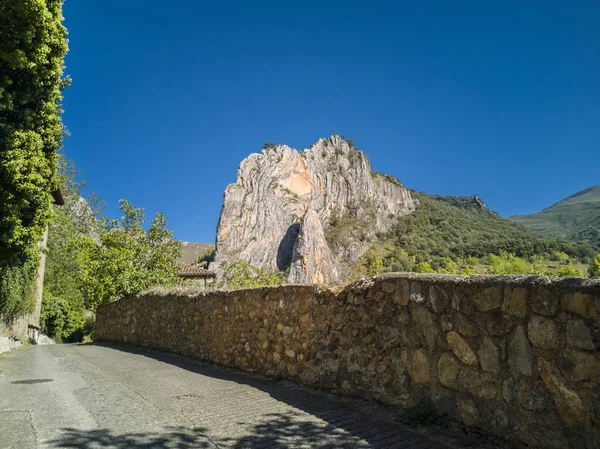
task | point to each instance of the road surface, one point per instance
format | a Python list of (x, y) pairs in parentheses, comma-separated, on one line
[(116, 396)]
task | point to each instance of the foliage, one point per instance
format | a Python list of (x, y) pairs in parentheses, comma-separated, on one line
[(127, 259), (62, 304), (508, 263), (60, 317), (240, 274), (569, 271), (32, 51), (269, 146), (424, 267), (438, 231), (341, 228), (459, 235), (594, 270), (207, 256), (17, 281)]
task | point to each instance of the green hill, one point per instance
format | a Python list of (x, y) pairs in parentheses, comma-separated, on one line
[(448, 233), (577, 217)]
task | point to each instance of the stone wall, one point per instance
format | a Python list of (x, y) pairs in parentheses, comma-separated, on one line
[(515, 357)]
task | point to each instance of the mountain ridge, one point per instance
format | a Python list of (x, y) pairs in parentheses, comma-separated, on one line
[(576, 217)]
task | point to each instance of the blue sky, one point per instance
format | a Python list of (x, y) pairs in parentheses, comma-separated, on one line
[(499, 99)]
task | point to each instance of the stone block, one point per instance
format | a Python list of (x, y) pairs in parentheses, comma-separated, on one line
[(543, 333), (490, 298), (481, 385), (464, 326), (545, 302), (568, 403), (388, 286), (519, 353), (402, 292), (579, 335), (509, 390), (426, 324), (581, 304), (448, 368), (581, 365), (438, 298), (467, 411), (461, 348), (515, 301), (489, 356), (496, 325), (419, 369), (461, 303)]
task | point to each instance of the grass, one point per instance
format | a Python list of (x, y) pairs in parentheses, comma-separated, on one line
[(569, 218)]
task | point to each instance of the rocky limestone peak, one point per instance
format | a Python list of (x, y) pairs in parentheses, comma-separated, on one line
[(312, 212)]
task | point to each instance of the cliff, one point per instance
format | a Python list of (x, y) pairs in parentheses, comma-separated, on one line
[(312, 212)]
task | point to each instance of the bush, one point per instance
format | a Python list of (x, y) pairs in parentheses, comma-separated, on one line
[(17, 285), (61, 320), (424, 267), (240, 274), (569, 271), (594, 270)]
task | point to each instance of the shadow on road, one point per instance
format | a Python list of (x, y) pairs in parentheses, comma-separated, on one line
[(173, 437), (347, 423), (280, 431)]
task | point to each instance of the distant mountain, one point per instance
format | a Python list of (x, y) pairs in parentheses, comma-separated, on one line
[(577, 217), (323, 215), (190, 251), (451, 228)]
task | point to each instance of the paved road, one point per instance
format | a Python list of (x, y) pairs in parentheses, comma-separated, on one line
[(115, 396)]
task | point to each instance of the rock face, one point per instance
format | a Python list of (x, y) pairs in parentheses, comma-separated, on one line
[(314, 212)]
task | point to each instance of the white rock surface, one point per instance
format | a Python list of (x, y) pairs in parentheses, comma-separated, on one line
[(279, 211)]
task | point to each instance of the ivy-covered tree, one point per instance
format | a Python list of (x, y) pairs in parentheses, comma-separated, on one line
[(33, 45)]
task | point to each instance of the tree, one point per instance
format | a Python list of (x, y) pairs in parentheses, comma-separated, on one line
[(269, 146), (594, 270), (424, 267), (32, 51), (127, 259), (62, 304)]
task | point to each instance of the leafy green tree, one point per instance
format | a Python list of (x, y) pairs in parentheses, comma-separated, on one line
[(240, 274), (569, 271), (32, 51), (594, 270), (207, 256), (424, 267), (127, 259), (62, 304), (61, 318)]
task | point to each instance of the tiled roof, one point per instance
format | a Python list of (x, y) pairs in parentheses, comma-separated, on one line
[(197, 270)]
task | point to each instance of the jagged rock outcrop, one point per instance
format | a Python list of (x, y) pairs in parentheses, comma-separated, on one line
[(312, 212), (311, 257)]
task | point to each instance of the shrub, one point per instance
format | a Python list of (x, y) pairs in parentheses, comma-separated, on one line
[(594, 270), (240, 274)]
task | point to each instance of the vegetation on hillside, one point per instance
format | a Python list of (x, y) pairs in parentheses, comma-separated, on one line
[(32, 51), (460, 235), (576, 217)]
